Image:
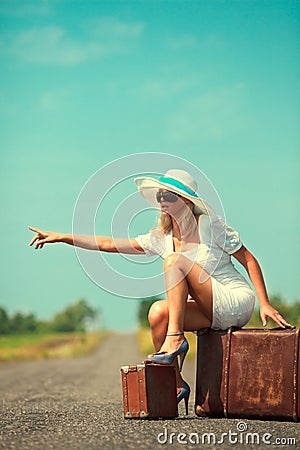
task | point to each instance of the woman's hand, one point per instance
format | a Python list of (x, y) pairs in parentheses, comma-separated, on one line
[(43, 237), (267, 310), (245, 257)]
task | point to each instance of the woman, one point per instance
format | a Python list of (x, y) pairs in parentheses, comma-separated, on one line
[(202, 285)]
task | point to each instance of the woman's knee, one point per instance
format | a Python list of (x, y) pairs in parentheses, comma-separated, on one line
[(171, 260), (158, 313), (179, 262)]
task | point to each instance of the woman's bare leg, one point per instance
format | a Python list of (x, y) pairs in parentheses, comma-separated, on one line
[(176, 314), (159, 318), (183, 277)]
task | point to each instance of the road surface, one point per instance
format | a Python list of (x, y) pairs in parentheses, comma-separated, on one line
[(77, 404)]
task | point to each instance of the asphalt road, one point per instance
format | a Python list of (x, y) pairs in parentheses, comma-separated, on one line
[(77, 404)]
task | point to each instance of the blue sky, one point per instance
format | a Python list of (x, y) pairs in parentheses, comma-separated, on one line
[(86, 82)]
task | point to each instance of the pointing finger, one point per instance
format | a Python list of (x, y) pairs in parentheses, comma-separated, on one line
[(33, 241), (36, 230)]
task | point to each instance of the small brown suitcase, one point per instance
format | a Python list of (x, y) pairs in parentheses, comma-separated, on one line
[(248, 373), (149, 391)]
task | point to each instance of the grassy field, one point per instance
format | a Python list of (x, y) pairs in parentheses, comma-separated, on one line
[(40, 346), (146, 347)]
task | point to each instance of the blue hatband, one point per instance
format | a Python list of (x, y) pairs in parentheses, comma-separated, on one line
[(178, 184)]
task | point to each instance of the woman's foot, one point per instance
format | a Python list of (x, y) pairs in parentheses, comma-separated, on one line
[(172, 343), (174, 348)]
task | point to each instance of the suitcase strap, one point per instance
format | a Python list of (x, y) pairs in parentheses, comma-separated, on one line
[(142, 393), (226, 372), (139, 370), (125, 392), (295, 377)]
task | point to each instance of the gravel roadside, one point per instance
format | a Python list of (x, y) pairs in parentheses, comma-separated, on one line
[(77, 404)]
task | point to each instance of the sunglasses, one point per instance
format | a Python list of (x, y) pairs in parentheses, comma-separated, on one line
[(168, 196)]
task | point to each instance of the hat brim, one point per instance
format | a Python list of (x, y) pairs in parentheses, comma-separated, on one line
[(148, 187)]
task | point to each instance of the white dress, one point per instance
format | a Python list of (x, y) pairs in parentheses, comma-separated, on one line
[(233, 298)]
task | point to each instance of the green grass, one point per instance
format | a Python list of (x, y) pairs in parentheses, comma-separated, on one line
[(41, 346)]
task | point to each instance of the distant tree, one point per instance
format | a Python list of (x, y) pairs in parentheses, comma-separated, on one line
[(73, 318), (293, 313), (22, 323), (4, 321), (144, 306)]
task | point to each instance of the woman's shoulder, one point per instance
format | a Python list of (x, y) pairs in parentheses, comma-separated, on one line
[(204, 223), (159, 233)]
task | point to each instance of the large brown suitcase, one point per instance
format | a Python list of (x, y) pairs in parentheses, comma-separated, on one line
[(149, 391), (248, 373)]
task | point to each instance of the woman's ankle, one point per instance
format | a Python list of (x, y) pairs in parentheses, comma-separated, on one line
[(175, 333)]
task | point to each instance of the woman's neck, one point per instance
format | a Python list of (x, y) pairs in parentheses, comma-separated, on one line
[(186, 229)]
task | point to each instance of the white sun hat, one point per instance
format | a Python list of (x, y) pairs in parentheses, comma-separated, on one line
[(175, 180)]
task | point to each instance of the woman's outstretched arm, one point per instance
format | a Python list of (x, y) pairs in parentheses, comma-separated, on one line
[(102, 243), (252, 266)]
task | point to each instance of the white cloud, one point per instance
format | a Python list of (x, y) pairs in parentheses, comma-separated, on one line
[(25, 9), (181, 42), (211, 116), (54, 45), (213, 42), (54, 99), (113, 27), (190, 42), (158, 89)]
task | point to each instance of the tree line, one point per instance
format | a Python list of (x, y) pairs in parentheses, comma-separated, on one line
[(77, 317), (290, 311), (74, 318)]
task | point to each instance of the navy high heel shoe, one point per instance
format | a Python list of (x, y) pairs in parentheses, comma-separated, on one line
[(168, 358), (184, 393)]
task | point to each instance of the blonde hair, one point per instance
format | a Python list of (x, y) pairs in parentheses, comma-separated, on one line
[(165, 222)]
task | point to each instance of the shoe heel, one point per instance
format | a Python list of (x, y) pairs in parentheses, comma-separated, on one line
[(182, 358), (183, 353), (165, 358), (186, 400), (184, 393)]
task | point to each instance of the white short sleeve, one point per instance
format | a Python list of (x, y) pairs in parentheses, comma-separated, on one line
[(152, 243), (225, 236)]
